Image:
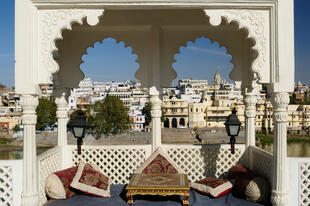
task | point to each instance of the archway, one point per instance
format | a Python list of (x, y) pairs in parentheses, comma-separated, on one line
[(167, 123), (174, 123), (182, 122)]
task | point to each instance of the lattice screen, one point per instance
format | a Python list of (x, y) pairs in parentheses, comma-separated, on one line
[(204, 161), (119, 163), (6, 186), (304, 184), (262, 162), (49, 162)]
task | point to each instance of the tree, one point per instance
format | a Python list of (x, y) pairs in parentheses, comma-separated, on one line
[(111, 116), (146, 111), (16, 128), (46, 112)]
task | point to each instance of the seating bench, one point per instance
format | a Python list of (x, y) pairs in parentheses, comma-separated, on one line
[(118, 198)]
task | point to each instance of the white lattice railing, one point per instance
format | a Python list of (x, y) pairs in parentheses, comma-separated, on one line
[(199, 161), (10, 181), (117, 161), (262, 162), (299, 181), (48, 162)]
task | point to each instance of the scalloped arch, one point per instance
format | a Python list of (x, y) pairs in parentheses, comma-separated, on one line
[(253, 22), (54, 22)]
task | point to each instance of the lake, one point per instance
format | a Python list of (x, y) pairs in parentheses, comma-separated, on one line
[(18, 154), (293, 150)]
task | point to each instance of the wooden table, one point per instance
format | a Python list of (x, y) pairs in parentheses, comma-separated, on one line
[(158, 184)]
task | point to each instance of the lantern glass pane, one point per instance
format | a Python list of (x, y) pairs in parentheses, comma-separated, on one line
[(78, 131), (234, 129)]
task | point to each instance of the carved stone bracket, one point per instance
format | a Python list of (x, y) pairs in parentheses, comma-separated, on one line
[(251, 20), (52, 25)]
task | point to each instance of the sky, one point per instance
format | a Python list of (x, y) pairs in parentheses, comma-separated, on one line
[(198, 60)]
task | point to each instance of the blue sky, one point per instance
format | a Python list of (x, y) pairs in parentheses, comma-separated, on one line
[(198, 60)]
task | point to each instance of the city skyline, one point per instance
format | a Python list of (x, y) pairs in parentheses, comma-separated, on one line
[(198, 60)]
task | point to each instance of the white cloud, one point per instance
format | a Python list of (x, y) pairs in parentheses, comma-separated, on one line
[(208, 51)]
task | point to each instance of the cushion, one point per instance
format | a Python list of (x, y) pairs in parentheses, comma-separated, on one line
[(238, 170), (159, 163), (258, 190), (57, 185), (212, 186), (90, 180)]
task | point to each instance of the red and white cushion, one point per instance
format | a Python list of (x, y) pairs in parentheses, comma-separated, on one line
[(90, 180), (57, 184), (159, 163), (212, 186)]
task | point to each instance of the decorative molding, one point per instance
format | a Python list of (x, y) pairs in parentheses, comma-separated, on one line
[(251, 20), (56, 21)]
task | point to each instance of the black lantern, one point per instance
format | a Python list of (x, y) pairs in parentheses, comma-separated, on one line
[(78, 126), (232, 125)]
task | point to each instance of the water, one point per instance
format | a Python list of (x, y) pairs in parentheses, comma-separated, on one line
[(299, 149), (18, 154)]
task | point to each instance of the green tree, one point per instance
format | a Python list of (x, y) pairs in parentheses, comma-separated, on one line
[(111, 116), (146, 111), (16, 128), (46, 112)]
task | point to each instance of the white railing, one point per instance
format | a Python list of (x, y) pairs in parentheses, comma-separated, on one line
[(10, 182), (199, 161), (48, 162), (262, 162), (299, 181), (117, 161)]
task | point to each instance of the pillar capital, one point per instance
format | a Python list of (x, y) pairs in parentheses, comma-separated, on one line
[(250, 102), (62, 105), (280, 102), (29, 104)]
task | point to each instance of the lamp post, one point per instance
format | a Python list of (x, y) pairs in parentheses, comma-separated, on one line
[(78, 125), (232, 125)]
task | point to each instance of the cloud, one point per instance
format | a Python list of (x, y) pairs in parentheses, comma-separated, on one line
[(208, 51)]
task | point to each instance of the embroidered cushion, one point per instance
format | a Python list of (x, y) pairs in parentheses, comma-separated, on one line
[(159, 163), (57, 185), (90, 180), (212, 186), (238, 170)]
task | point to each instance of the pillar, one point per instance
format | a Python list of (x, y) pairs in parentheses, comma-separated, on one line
[(62, 118), (279, 195), (250, 102), (29, 104), (250, 114), (156, 117)]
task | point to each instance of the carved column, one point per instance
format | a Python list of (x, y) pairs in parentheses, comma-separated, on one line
[(30, 176), (156, 117), (279, 194), (250, 101), (62, 118)]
